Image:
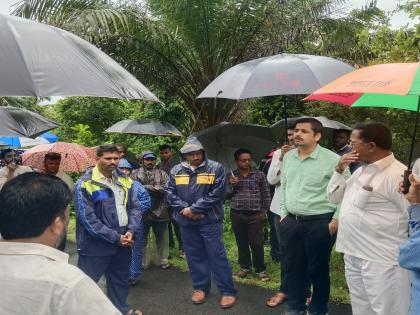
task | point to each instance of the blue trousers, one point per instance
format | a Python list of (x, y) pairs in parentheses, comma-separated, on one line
[(116, 269), (136, 266), (206, 256)]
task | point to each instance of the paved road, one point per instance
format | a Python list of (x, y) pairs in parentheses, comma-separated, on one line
[(168, 292)]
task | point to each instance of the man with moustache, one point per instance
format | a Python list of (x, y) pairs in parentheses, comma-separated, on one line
[(154, 180), (308, 220), (12, 168), (196, 190), (373, 223), (36, 278), (108, 214)]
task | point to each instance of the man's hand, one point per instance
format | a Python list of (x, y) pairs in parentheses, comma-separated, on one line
[(413, 195), (346, 160), (233, 180), (126, 239), (282, 218), (187, 212), (284, 149), (333, 226)]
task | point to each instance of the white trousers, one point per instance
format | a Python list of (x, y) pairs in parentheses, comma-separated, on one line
[(377, 289)]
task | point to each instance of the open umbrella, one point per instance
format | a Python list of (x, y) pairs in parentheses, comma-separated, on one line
[(74, 157), (329, 126), (222, 140), (40, 60), (145, 127), (283, 74), (24, 142), (23, 123), (394, 85)]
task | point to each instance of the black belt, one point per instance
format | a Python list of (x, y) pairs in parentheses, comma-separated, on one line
[(323, 216), (246, 212)]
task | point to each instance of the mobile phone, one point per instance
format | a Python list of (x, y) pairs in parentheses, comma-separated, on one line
[(406, 182)]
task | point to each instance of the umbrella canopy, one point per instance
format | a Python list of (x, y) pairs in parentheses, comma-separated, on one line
[(283, 74), (394, 85), (21, 122), (328, 125), (222, 140), (74, 157), (23, 142), (145, 127), (40, 60)]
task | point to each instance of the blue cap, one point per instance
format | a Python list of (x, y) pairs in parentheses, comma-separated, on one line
[(124, 164), (149, 155)]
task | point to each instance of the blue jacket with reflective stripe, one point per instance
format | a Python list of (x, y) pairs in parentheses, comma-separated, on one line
[(97, 226), (203, 190)]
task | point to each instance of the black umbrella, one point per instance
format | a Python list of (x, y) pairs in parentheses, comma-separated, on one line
[(21, 122), (145, 127), (222, 140)]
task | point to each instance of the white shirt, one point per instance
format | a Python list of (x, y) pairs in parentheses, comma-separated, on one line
[(273, 178), (119, 195), (372, 224), (4, 172), (37, 279)]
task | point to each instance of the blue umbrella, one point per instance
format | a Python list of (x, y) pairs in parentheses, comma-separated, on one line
[(21, 142)]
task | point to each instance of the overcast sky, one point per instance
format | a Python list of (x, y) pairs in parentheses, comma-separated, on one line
[(387, 5)]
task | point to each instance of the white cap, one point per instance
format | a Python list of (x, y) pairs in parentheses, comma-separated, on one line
[(416, 170)]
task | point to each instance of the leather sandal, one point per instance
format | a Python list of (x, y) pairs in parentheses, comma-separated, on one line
[(227, 301), (198, 297), (276, 300), (134, 312)]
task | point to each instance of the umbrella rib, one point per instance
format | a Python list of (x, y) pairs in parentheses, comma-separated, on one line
[(24, 60)]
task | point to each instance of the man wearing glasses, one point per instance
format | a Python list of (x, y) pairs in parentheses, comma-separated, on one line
[(373, 223)]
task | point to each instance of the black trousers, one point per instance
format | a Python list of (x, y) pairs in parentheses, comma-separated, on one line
[(274, 243), (306, 245), (249, 234)]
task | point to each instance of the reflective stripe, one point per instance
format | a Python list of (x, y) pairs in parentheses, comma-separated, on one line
[(182, 179), (205, 178)]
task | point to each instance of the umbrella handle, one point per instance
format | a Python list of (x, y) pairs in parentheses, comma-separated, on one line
[(406, 182), (413, 139)]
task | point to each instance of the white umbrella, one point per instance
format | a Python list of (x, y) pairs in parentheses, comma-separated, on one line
[(41, 60)]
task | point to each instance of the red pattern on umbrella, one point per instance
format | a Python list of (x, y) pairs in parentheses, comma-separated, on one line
[(74, 157)]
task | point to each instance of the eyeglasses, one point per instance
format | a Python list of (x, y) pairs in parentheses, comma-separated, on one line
[(353, 144)]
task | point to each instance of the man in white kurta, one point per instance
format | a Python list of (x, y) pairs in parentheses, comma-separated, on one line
[(373, 223)]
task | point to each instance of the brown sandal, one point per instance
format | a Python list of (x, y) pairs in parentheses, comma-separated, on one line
[(276, 300)]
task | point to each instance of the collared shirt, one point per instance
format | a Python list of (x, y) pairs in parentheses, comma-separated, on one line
[(251, 193), (119, 194), (37, 279), (304, 183), (373, 219)]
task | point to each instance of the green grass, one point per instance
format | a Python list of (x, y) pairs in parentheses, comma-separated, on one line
[(339, 290)]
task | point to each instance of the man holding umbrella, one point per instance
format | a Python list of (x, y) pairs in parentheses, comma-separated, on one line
[(196, 191)]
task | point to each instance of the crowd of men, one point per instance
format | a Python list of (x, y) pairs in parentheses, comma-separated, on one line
[(313, 198)]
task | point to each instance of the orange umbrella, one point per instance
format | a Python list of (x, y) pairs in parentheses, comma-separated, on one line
[(393, 85), (74, 157)]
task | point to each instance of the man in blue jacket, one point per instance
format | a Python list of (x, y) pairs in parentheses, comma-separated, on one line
[(196, 191), (108, 214)]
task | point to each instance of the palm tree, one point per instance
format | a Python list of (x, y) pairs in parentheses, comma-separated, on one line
[(180, 46)]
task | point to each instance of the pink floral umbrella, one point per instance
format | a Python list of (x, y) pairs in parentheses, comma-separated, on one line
[(74, 157)]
